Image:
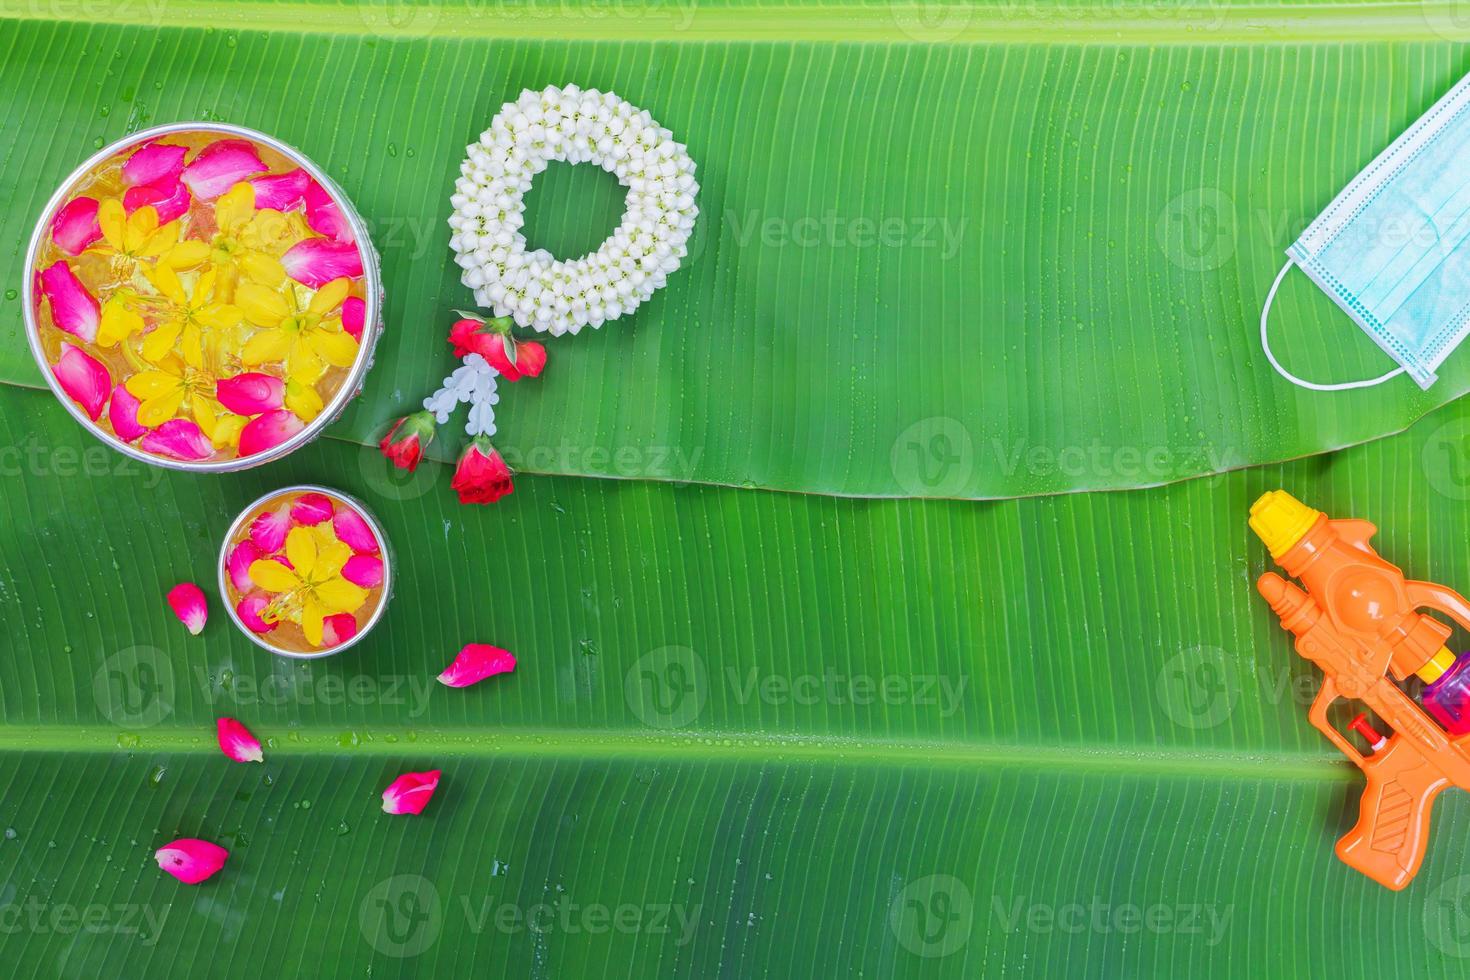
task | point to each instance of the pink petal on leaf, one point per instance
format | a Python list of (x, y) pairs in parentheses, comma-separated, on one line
[(220, 166), (122, 412), (179, 439), (154, 163), (352, 529), (187, 601), (476, 662), (72, 308), (364, 570), (170, 198), (269, 431), (338, 629), (354, 316), (281, 192), (84, 378), (411, 792), (250, 393), (238, 564), (317, 261), (268, 531), (311, 508), (191, 860), (249, 610), (236, 741), (324, 216), (75, 226)]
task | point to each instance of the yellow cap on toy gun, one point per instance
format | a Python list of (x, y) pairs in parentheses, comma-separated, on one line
[(1280, 520)]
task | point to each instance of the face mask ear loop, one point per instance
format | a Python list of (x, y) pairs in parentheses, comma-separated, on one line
[(1266, 346)]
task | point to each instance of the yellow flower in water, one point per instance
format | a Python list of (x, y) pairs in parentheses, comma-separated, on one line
[(252, 240), (177, 387), (185, 315), (301, 329), (120, 318), (130, 239), (313, 588)]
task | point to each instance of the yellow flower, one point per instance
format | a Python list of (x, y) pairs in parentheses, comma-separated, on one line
[(186, 314), (177, 387), (313, 588), (304, 333), (119, 318), (252, 240), (131, 239)]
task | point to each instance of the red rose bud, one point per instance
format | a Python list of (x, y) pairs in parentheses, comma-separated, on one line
[(462, 335), (481, 476), (406, 441), (530, 359), (493, 341)]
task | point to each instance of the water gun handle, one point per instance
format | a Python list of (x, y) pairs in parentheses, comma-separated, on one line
[(1434, 596), (1392, 831)]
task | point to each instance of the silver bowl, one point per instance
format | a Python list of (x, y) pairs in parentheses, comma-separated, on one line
[(372, 288), (338, 497)]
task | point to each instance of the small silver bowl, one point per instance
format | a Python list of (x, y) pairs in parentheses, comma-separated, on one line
[(258, 506), (371, 284)]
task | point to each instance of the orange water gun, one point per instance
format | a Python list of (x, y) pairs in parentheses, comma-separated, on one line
[(1359, 620)]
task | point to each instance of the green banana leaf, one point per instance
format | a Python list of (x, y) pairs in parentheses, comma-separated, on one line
[(784, 734), (940, 265)]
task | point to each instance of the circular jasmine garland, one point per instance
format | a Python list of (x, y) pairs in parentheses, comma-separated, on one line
[(536, 289)]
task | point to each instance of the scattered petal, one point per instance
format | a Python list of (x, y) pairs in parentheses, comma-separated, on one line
[(338, 629), (170, 198), (220, 166), (122, 412), (269, 431), (354, 316), (238, 564), (317, 261), (84, 378), (311, 509), (179, 439), (249, 609), (187, 601), (352, 529), (281, 192), (251, 393), (324, 216), (75, 226), (411, 792), (236, 741), (268, 531), (190, 860), (72, 308), (476, 662), (364, 570), (153, 163)]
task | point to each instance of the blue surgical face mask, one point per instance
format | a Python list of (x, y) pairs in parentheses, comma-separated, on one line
[(1393, 249)]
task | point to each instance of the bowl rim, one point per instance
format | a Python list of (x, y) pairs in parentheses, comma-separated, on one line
[(338, 496), (372, 288)]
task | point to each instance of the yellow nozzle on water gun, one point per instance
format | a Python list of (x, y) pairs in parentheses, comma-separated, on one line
[(1280, 520)]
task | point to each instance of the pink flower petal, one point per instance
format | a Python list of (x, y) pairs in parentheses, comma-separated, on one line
[(84, 378), (411, 792), (269, 431), (122, 412), (364, 570), (250, 609), (170, 198), (354, 315), (338, 629), (220, 166), (324, 216), (75, 226), (178, 439), (281, 192), (311, 508), (187, 601), (250, 393), (238, 564), (236, 741), (352, 529), (476, 662), (191, 860), (268, 531), (284, 561), (317, 261), (154, 163), (72, 308)]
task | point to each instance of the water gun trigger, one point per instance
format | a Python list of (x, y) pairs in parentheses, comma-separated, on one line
[(1327, 695)]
